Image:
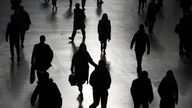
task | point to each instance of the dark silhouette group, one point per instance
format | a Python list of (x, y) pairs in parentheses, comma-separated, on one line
[(100, 79)]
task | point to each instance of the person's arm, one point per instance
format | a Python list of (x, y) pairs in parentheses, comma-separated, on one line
[(33, 55), (132, 41), (90, 60)]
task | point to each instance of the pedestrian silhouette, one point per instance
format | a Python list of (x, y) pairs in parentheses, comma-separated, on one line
[(185, 5), (180, 30), (80, 67), (141, 5), (15, 4), (41, 57), (152, 10), (99, 2), (142, 91), (100, 80), (54, 3), (141, 41), (24, 21), (12, 35), (79, 22), (48, 92), (104, 31), (83, 4), (168, 91)]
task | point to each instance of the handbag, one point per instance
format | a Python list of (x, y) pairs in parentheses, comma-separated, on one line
[(32, 74), (72, 79)]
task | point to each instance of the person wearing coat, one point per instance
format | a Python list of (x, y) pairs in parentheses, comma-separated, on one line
[(168, 91), (104, 31), (80, 66)]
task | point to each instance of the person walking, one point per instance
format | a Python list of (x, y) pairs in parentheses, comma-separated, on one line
[(141, 5), (100, 80), (79, 22), (42, 56), (80, 67), (54, 3), (13, 32), (141, 41), (142, 91), (152, 10), (48, 92), (24, 21), (104, 31), (168, 91)]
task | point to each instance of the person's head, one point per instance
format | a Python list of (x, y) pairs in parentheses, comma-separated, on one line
[(170, 75), (144, 74), (77, 5), (105, 16), (141, 27), (42, 38), (102, 62), (82, 48), (21, 8)]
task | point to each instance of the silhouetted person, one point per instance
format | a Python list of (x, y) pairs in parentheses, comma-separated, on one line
[(54, 3), (48, 92), (99, 1), (24, 21), (15, 4), (168, 91), (185, 5), (13, 36), (79, 22), (180, 30), (80, 66), (83, 4), (100, 80), (104, 31), (141, 5), (41, 57), (141, 41), (142, 91), (152, 10)]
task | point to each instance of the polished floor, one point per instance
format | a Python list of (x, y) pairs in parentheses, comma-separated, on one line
[(15, 89)]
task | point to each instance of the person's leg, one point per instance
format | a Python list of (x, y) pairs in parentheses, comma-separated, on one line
[(96, 98), (83, 4), (181, 46), (17, 46), (34, 95), (142, 5), (139, 6), (12, 50), (104, 46), (22, 36), (70, 3), (104, 98), (73, 34), (83, 33), (136, 104)]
